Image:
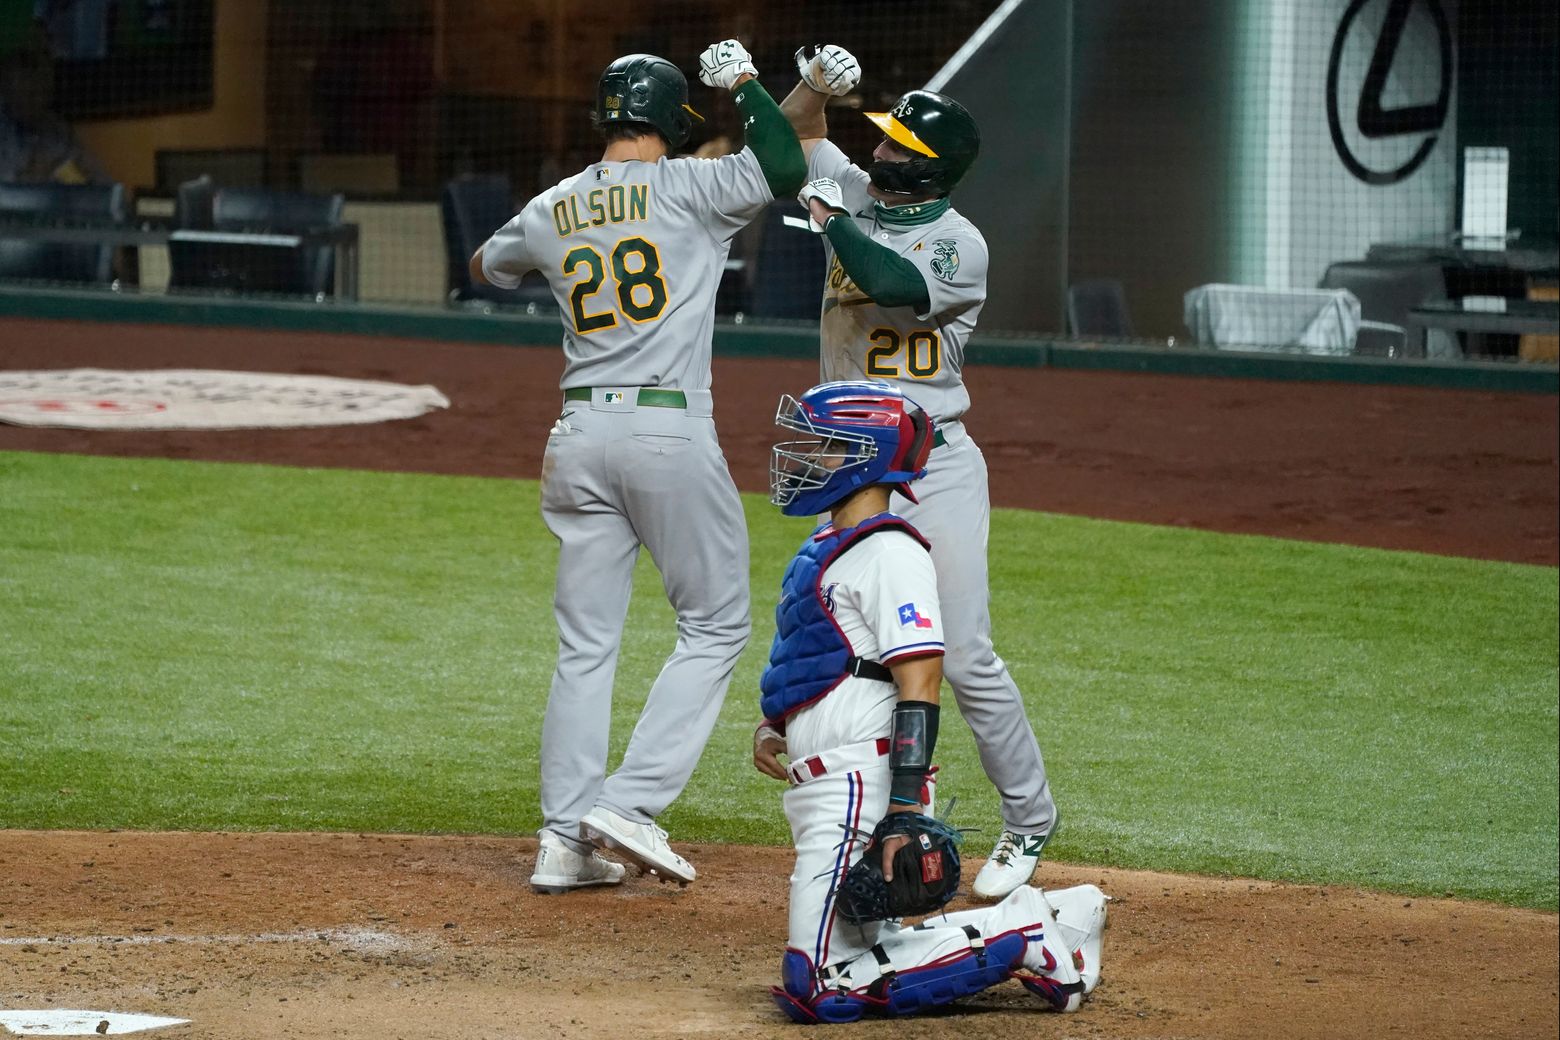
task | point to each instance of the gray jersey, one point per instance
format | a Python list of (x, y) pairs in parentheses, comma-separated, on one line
[(634, 253), (921, 353)]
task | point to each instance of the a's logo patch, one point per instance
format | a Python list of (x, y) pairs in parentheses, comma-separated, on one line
[(945, 262)]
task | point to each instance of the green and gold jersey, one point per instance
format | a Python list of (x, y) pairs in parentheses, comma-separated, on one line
[(923, 354)]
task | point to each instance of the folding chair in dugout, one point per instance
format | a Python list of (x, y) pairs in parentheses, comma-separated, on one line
[(79, 263)]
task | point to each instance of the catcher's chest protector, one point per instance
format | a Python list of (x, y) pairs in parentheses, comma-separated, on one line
[(809, 655)]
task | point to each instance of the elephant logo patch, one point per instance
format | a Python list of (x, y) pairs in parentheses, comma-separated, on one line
[(945, 259)]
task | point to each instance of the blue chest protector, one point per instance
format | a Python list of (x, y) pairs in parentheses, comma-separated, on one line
[(810, 656)]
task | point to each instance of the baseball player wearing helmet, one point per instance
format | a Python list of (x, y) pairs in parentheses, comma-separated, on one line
[(905, 284), (633, 247), (850, 702)]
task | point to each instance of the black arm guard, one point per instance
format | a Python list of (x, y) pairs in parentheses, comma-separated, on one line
[(910, 750)]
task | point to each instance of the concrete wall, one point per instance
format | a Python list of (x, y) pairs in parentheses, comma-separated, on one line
[(1105, 153), (1016, 86), (1173, 145)]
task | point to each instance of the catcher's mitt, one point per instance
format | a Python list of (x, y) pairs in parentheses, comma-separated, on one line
[(926, 871)]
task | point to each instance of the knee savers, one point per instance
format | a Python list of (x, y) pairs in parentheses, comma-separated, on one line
[(897, 993)]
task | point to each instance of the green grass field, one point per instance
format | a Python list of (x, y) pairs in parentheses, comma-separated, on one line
[(203, 646)]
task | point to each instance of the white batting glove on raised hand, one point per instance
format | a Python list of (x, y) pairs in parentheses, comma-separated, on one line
[(825, 191), (828, 69), (721, 64)]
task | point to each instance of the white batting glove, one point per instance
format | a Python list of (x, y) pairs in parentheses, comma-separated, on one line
[(721, 64), (828, 69), (825, 191)]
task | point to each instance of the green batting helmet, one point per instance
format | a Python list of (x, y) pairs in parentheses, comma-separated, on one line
[(642, 88), (940, 133)]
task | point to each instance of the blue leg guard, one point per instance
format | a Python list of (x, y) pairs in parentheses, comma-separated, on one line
[(801, 1002), (795, 1010), (902, 993), (922, 988)]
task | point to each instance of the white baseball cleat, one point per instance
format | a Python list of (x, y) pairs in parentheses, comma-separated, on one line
[(1082, 917), (1011, 864), (560, 869), (644, 843), (1049, 971)]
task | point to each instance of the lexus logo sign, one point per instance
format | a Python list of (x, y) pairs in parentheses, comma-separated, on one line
[(1385, 145)]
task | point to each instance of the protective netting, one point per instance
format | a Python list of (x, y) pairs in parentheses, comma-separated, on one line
[(1330, 176)]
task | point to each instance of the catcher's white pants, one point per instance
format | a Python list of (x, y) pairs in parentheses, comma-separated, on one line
[(837, 796)]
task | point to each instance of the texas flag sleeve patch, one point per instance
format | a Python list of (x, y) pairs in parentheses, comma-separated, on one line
[(908, 615)]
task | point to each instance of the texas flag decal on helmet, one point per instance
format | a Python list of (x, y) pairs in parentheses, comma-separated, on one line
[(908, 615)]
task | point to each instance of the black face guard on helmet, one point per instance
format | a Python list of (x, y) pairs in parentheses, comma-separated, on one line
[(941, 137), (645, 89), (914, 177)]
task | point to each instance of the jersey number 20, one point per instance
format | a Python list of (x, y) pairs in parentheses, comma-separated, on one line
[(636, 268), (922, 353)]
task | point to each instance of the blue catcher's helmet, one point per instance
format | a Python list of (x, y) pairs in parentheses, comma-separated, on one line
[(858, 433)]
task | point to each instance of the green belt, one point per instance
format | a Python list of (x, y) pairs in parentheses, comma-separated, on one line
[(938, 440), (649, 397)]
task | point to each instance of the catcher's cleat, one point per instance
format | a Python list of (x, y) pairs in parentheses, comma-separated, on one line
[(560, 869), (1050, 968), (1081, 918), (1012, 863), (1063, 997), (644, 843)]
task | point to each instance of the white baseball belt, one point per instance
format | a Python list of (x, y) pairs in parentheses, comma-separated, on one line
[(846, 758)]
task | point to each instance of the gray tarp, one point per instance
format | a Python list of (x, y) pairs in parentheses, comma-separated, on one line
[(1244, 317)]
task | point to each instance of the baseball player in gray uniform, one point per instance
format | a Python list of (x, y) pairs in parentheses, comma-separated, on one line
[(905, 282), (633, 247)]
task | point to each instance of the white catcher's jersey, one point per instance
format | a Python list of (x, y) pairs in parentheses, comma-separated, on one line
[(634, 252), (882, 593), (921, 353)]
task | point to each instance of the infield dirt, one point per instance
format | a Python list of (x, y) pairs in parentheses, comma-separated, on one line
[(326, 935), (440, 938)]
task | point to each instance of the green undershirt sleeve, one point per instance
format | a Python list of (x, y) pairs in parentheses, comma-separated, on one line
[(772, 139), (888, 278)]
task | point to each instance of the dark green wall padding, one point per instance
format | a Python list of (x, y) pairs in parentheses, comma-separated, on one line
[(794, 340)]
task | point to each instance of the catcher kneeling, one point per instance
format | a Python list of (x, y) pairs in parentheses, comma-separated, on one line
[(850, 699)]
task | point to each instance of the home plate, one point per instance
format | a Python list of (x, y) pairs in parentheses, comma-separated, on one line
[(60, 1022)]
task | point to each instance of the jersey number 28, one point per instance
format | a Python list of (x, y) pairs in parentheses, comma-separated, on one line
[(636, 268), (922, 353)]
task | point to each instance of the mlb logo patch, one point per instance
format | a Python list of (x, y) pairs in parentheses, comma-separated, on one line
[(614, 397), (908, 615)]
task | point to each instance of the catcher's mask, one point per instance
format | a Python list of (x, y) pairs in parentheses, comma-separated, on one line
[(642, 88), (858, 433), (938, 132)]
